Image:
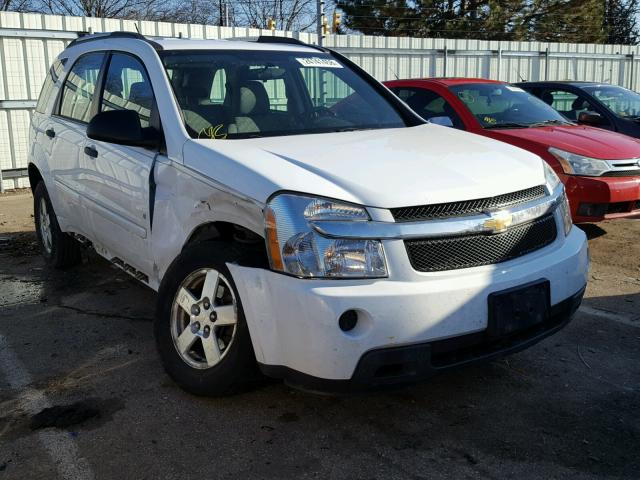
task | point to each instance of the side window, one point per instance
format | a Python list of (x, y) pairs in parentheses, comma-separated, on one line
[(325, 88), (567, 103), (331, 96), (219, 87), (49, 83), (80, 86), (127, 87), (429, 105), (277, 94)]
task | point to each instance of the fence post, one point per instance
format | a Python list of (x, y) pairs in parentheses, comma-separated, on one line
[(499, 62), (632, 71), (546, 63), (1, 182), (446, 57)]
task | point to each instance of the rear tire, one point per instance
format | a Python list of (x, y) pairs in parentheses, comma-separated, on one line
[(200, 329), (59, 249)]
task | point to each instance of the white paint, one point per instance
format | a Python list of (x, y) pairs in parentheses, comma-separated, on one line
[(386, 168), (294, 322), (60, 447), (616, 317)]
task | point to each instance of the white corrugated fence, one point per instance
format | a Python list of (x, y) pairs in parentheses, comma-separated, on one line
[(30, 42)]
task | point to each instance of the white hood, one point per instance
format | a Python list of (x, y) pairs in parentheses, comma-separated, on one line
[(378, 168)]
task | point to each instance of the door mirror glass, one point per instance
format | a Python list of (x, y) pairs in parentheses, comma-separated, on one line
[(444, 121), (122, 127), (590, 118)]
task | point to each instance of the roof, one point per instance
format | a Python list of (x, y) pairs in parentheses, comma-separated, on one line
[(576, 83), (448, 81)]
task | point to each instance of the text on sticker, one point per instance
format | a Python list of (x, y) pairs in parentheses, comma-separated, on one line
[(319, 62)]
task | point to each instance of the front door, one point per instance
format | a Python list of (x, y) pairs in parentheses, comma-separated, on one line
[(118, 177)]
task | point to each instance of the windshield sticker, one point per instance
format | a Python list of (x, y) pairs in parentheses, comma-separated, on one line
[(319, 62), (213, 132), (490, 120), (513, 89)]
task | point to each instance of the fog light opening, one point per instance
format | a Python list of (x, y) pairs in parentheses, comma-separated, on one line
[(348, 320)]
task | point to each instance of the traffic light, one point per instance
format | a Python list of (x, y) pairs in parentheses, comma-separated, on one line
[(325, 25), (336, 21), (271, 24)]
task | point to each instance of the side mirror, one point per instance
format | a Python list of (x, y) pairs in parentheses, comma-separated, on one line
[(590, 118), (444, 121), (122, 127)]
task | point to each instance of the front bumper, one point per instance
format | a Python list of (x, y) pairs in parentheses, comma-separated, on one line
[(412, 363), (294, 322), (593, 199)]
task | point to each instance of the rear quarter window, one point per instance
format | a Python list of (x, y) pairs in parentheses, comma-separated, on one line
[(49, 83)]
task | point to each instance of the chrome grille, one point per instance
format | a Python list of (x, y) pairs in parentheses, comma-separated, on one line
[(451, 253), (468, 207)]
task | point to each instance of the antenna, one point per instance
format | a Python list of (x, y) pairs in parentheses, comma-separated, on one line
[(136, 25)]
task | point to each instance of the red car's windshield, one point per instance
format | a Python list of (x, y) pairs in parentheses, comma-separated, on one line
[(505, 106)]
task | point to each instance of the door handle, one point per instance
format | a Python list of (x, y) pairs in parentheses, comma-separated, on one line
[(50, 133), (91, 151)]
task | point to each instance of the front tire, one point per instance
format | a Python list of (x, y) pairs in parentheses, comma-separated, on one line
[(200, 330), (59, 249)]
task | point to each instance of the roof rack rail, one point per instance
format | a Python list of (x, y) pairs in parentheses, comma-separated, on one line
[(88, 37), (289, 40)]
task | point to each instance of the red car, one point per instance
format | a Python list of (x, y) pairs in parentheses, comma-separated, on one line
[(600, 169)]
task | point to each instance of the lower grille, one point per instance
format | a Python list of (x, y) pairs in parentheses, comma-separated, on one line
[(451, 253)]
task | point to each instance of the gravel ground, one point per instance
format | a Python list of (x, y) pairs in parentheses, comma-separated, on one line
[(80, 382)]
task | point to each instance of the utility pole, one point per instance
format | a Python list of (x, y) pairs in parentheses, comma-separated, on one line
[(320, 21), (220, 4)]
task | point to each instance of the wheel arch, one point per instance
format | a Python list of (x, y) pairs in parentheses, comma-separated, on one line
[(35, 176), (240, 236)]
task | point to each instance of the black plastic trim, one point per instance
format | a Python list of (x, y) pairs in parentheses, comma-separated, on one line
[(289, 41), (100, 36)]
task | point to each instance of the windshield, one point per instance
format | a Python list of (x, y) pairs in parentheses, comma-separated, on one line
[(498, 105), (246, 94), (622, 102)]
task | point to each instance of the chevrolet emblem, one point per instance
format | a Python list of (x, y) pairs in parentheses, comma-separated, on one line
[(498, 222)]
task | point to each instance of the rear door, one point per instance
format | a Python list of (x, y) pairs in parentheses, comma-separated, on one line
[(66, 132), (117, 177)]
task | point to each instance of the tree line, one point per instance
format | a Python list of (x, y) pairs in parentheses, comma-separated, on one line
[(576, 21), (580, 21)]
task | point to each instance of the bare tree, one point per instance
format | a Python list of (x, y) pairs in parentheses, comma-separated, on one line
[(15, 5), (97, 8), (288, 14)]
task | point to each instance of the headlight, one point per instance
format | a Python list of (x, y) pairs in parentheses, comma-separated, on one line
[(551, 177), (295, 248), (565, 213), (574, 164)]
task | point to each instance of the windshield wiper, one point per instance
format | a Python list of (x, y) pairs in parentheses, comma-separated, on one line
[(350, 129), (549, 122), (508, 125)]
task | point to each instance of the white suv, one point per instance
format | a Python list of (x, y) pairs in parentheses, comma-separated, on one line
[(295, 217)]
